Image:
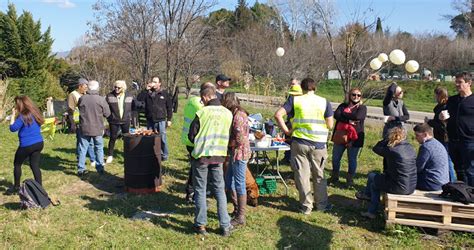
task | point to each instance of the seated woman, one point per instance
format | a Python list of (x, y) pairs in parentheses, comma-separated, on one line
[(400, 174)]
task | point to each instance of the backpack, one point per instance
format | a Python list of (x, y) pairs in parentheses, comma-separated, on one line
[(33, 195), (458, 191)]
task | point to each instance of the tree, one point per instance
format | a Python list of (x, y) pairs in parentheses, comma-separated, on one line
[(378, 27), (243, 16)]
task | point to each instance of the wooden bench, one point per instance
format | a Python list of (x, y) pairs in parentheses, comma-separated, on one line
[(427, 209)]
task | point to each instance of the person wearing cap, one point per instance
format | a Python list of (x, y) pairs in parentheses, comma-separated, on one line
[(158, 111), (312, 119), (294, 90), (92, 110), (73, 116), (120, 104), (222, 83)]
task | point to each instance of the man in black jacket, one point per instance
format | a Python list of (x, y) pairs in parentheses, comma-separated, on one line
[(158, 111), (120, 104)]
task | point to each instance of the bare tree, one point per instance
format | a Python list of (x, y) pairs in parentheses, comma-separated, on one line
[(134, 26)]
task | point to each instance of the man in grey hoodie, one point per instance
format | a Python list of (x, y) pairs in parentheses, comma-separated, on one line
[(92, 110)]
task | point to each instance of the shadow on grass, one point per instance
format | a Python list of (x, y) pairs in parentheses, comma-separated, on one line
[(282, 202), (4, 185), (55, 163), (348, 210), (12, 205), (127, 205), (297, 234)]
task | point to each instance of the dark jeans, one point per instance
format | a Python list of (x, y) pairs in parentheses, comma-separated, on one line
[(71, 124), (456, 151), (114, 130), (468, 162), (373, 192), (32, 151)]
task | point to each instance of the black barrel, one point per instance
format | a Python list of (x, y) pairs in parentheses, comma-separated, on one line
[(142, 163)]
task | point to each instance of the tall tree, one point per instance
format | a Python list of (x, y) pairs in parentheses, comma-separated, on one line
[(378, 27), (243, 15)]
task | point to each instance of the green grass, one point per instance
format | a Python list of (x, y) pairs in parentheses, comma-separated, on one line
[(94, 213), (418, 94)]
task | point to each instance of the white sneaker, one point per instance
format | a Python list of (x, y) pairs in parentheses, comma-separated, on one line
[(93, 164), (109, 159)]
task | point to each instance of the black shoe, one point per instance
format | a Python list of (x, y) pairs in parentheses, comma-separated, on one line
[(200, 230), (12, 190), (101, 172), (82, 173)]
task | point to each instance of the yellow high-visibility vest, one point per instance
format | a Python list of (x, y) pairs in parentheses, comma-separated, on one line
[(309, 122)]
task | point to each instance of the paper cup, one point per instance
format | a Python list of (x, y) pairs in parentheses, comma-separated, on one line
[(445, 114), (385, 118)]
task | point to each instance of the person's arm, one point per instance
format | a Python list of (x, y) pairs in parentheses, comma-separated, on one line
[(339, 114), (405, 117), (71, 104), (15, 124), (329, 122), (328, 115), (358, 114), (389, 95), (381, 148), (422, 159), (240, 125), (105, 109), (194, 129), (281, 112)]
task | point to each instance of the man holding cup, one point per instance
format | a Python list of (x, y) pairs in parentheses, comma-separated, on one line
[(460, 117)]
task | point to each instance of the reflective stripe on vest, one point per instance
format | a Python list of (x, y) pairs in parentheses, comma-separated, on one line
[(213, 136), (192, 106), (309, 122)]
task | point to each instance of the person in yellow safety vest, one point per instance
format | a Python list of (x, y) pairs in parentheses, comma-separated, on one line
[(210, 132), (294, 90), (72, 99), (73, 115), (193, 105), (312, 119)]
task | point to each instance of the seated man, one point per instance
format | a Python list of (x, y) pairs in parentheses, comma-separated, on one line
[(432, 162)]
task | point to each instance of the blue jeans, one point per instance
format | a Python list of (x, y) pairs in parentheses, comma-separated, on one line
[(90, 149), (216, 183), (452, 173), (338, 151), (374, 193), (160, 127), (84, 145), (235, 176), (468, 162)]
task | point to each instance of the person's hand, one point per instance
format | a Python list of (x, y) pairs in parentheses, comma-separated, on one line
[(168, 124), (288, 132), (391, 118), (426, 119)]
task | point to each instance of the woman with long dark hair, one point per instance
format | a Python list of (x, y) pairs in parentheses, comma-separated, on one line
[(239, 155), (440, 131), (27, 120)]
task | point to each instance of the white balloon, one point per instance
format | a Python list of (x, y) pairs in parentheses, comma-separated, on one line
[(375, 64), (412, 66), (280, 51), (383, 57), (397, 57)]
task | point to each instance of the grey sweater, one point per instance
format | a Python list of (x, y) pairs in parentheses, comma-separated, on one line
[(92, 109)]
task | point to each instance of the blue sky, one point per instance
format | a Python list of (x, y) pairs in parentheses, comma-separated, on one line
[(68, 18)]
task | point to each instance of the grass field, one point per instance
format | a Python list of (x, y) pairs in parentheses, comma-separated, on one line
[(95, 213)]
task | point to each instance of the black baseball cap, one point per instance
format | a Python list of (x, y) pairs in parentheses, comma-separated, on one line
[(222, 77)]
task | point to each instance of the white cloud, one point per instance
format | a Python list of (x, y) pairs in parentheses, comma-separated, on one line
[(65, 4)]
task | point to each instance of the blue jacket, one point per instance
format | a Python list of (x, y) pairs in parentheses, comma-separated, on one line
[(28, 134), (432, 166)]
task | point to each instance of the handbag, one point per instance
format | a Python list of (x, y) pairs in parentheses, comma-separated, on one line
[(340, 137)]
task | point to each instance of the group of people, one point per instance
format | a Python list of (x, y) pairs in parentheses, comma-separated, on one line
[(216, 131)]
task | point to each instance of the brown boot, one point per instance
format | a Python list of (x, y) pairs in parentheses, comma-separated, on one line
[(239, 220), (233, 198), (349, 180), (334, 178)]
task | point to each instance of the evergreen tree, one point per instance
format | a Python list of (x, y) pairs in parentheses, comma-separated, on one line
[(378, 28), (10, 49), (243, 16)]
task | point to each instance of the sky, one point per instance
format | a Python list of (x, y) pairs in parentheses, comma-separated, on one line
[(68, 18)]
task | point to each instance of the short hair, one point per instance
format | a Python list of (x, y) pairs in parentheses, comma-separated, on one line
[(82, 81), (423, 128), (93, 85), (207, 85), (208, 92), (464, 75), (121, 83), (308, 84)]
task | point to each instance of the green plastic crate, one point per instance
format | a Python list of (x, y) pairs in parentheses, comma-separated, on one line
[(266, 184)]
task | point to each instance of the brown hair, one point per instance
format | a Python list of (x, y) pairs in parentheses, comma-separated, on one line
[(395, 136), (464, 75), (232, 103), (441, 95), (308, 84), (28, 110), (423, 128)]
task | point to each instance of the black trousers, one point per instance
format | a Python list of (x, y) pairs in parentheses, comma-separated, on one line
[(456, 151), (34, 153), (71, 124), (114, 130)]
